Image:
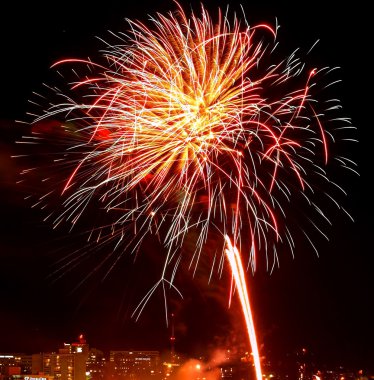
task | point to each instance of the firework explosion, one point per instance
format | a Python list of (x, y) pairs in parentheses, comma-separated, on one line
[(189, 125)]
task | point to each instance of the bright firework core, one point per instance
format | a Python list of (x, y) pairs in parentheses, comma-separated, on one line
[(181, 115), (190, 126)]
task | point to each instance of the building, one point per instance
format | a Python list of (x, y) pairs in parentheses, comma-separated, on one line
[(135, 365), (14, 365), (69, 363), (96, 364)]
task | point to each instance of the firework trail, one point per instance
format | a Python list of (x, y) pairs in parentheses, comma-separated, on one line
[(235, 261), (191, 126)]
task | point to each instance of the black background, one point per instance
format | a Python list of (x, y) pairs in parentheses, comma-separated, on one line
[(323, 303)]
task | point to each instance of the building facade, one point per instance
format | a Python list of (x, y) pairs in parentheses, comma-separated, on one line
[(14, 365), (134, 365), (69, 363)]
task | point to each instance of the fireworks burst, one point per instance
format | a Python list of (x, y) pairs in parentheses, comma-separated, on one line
[(190, 126)]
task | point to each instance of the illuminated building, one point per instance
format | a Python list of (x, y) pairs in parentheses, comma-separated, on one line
[(96, 364), (44, 363), (135, 364), (14, 365), (68, 364)]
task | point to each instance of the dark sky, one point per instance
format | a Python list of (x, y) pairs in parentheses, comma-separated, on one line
[(324, 303)]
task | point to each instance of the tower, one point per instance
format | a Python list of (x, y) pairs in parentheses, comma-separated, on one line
[(172, 340)]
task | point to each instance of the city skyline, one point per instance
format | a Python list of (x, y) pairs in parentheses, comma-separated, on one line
[(324, 302), (80, 361)]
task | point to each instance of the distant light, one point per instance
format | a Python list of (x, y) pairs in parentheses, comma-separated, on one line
[(198, 367)]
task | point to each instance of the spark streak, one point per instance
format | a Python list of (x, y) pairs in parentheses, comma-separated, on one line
[(235, 261)]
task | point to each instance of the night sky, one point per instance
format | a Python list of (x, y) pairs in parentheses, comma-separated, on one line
[(324, 303)]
